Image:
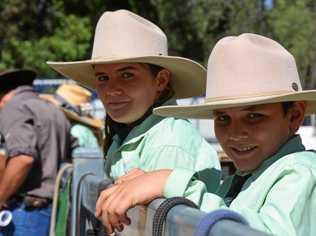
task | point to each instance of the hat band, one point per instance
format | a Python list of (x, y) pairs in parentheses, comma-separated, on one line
[(252, 95), (67, 105)]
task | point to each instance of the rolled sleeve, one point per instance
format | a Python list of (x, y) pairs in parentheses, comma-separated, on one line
[(177, 182), (19, 132)]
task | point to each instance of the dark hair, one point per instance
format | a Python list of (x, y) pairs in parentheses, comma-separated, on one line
[(109, 133), (286, 106), (155, 69)]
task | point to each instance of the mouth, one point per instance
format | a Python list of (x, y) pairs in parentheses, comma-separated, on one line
[(117, 105), (243, 150)]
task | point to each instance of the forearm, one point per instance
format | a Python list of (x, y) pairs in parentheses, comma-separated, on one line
[(14, 175), (2, 165)]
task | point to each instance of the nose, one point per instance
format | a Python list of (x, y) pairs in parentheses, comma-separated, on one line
[(237, 131), (114, 92), (113, 89)]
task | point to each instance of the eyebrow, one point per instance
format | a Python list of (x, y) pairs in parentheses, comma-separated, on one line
[(217, 113), (252, 108), (247, 108), (119, 70)]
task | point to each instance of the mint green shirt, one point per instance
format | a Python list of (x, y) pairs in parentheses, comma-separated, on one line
[(85, 136), (279, 198), (163, 143)]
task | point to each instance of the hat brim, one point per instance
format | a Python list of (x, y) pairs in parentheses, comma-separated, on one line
[(205, 110), (188, 77), (94, 123), (20, 76)]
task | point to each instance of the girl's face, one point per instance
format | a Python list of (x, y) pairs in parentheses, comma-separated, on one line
[(251, 134), (127, 90)]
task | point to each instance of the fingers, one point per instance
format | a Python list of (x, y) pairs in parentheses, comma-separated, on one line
[(102, 198), (110, 211), (116, 207)]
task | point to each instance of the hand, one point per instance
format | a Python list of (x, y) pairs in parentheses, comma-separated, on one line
[(130, 175), (113, 203), (3, 205)]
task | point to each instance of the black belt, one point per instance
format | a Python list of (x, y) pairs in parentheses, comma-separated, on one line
[(32, 202)]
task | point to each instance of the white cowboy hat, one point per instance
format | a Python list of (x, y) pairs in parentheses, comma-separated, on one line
[(71, 98), (246, 70), (124, 37)]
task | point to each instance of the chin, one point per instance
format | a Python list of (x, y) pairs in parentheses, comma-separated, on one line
[(124, 120)]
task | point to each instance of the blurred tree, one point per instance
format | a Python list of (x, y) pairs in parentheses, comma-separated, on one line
[(33, 32), (247, 16), (292, 23)]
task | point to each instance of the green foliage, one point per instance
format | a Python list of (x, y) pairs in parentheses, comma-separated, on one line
[(67, 38), (35, 31), (292, 23)]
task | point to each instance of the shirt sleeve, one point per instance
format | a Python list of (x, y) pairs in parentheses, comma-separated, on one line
[(287, 209), (184, 183), (289, 206), (19, 133)]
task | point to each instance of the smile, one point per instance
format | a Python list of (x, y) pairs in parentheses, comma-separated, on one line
[(117, 105), (244, 149)]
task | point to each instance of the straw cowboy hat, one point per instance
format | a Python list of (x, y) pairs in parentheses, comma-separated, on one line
[(246, 70), (124, 37), (17, 77), (71, 98)]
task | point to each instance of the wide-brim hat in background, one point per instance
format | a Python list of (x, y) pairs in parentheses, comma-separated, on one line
[(71, 98), (16, 77), (124, 37), (246, 70)]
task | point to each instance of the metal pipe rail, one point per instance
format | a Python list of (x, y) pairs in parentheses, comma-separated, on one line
[(181, 220)]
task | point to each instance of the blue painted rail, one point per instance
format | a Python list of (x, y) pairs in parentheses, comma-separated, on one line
[(89, 180)]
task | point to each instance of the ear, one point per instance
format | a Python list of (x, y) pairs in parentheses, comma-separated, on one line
[(162, 79), (297, 115)]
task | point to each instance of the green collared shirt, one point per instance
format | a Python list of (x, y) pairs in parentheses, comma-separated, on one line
[(163, 143), (279, 198)]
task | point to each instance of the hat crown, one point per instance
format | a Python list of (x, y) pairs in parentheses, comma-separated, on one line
[(250, 65), (124, 34), (74, 94)]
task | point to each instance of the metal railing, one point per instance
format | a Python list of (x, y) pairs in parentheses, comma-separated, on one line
[(89, 180)]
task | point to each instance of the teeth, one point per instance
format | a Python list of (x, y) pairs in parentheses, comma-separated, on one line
[(243, 149)]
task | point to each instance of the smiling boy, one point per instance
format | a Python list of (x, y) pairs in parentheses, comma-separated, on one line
[(255, 97)]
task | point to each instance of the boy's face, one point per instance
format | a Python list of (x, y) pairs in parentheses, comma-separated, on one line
[(127, 90), (251, 134)]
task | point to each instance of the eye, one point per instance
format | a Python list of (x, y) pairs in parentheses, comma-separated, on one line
[(103, 78), (252, 116), (127, 75), (222, 119)]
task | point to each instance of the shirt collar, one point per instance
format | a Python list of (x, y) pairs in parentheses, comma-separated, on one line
[(25, 91), (140, 130), (21, 93)]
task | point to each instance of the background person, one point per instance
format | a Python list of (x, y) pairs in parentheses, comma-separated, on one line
[(74, 100), (256, 119), (37, 139)]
